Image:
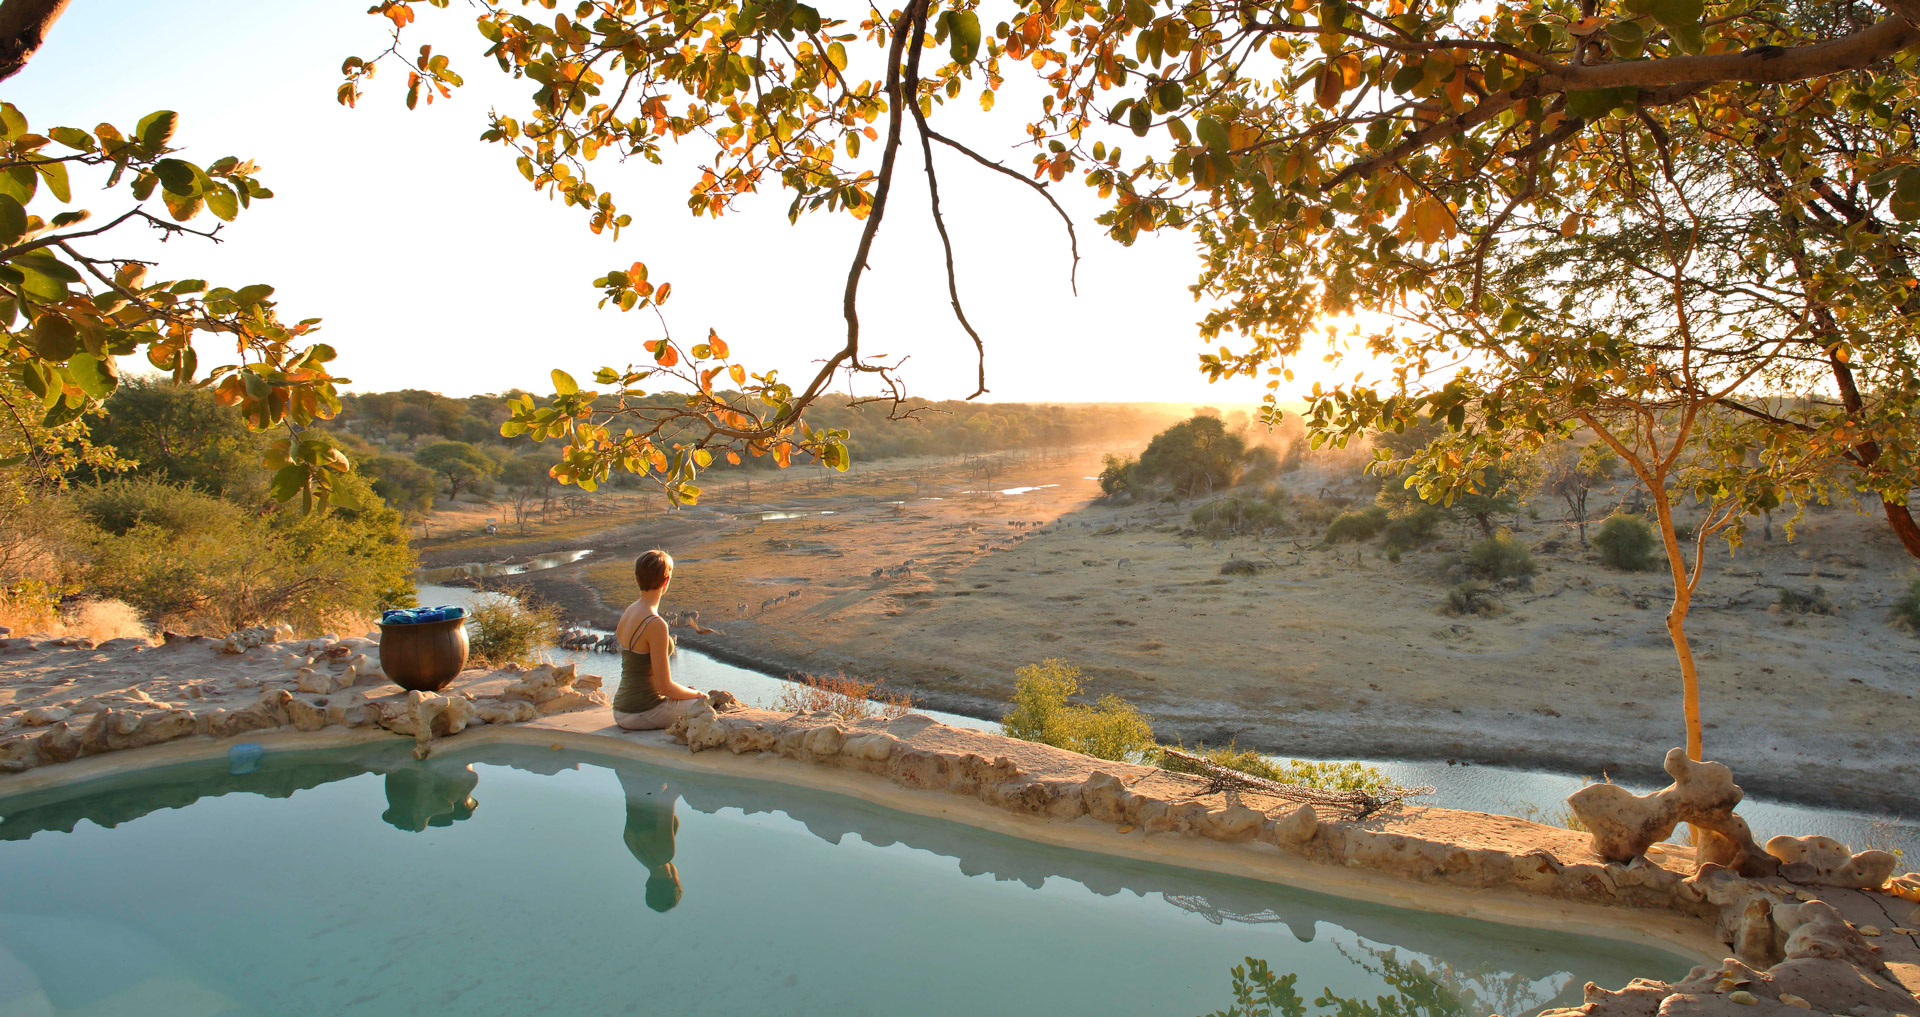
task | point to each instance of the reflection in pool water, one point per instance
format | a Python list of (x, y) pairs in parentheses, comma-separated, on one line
[(594, 886)]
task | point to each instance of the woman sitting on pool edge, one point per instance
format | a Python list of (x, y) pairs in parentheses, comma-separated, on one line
[(649, 698)]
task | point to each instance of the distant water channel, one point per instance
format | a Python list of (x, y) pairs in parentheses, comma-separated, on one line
[(1536, 794)]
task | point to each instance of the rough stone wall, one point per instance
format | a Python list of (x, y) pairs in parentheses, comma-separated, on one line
[(243, 685)]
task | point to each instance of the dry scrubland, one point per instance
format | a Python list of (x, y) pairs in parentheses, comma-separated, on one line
[(1332, 650)]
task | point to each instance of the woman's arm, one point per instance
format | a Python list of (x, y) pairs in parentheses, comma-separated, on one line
[(663, 684)]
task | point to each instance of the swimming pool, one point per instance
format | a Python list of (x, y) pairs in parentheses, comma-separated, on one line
[(516, 881)]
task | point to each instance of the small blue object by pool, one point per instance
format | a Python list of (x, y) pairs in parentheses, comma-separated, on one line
[(421, 615), (244, 758)]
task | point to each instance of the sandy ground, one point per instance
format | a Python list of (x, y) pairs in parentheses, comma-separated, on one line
[(1330, 652)]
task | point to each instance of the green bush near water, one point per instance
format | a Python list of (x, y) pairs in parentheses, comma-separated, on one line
[(1110, 728), (503, 630)]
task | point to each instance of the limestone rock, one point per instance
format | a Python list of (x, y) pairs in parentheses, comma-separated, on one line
[(42, 716), (824, 741), (320, 682), (1296, 827), (1823, 861), (18, 753), (874, 745), (308, 714), (1624, 824), (1105, 796), (1815, 930), (700, 729), (553, 689), (504, 711), (425, 715), (1235, 822)]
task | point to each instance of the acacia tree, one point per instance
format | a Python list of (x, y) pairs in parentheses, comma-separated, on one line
[(1572, 474)]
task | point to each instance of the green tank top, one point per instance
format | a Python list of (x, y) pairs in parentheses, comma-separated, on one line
[(636, 693)]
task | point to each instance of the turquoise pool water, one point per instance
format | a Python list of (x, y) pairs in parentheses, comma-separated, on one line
[(524, 881)]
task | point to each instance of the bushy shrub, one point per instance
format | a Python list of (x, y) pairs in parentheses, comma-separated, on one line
[(1116, 475), (1471, 599), (1814, 601), (1356, 526), (1302, 772), (188, 560), (847, 699), (505, 630), (118, 506), (1110, 728), (1906, 610), (1501, 557), (1236, 515), (1412, 528), (1294, 458), (1626, 543)]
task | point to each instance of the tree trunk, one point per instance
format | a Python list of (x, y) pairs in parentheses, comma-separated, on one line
[(23, 30), (1677, 616)]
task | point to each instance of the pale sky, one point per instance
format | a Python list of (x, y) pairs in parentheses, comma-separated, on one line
[(436, 266)]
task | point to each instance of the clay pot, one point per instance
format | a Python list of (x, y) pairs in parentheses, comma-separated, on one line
[(423, 657)]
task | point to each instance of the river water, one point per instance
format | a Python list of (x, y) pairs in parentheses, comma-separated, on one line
[(1533, 794)]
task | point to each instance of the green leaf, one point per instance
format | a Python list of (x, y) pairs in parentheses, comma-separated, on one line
[(55, 174), (54, 338), (222, 202), (13, 220), (1691, 39), (19, 183), (251, 295), (177, 176), (1592, 103), (72, 138), (96, 376), (1905, 203), (1170, 95), (341, 496), (47, 264), (12, 120), (288, 481), (1407, 77), (964, 43), (1212, 133), (563, 383), (156, 129), (1626, 39)]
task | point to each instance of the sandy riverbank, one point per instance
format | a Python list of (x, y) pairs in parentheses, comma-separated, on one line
[(1330, 652)]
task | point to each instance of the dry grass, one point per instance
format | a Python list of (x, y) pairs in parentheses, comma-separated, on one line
[(98, 620), (847, 699)]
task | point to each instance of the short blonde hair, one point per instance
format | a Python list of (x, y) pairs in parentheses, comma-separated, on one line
[(652, 569)]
